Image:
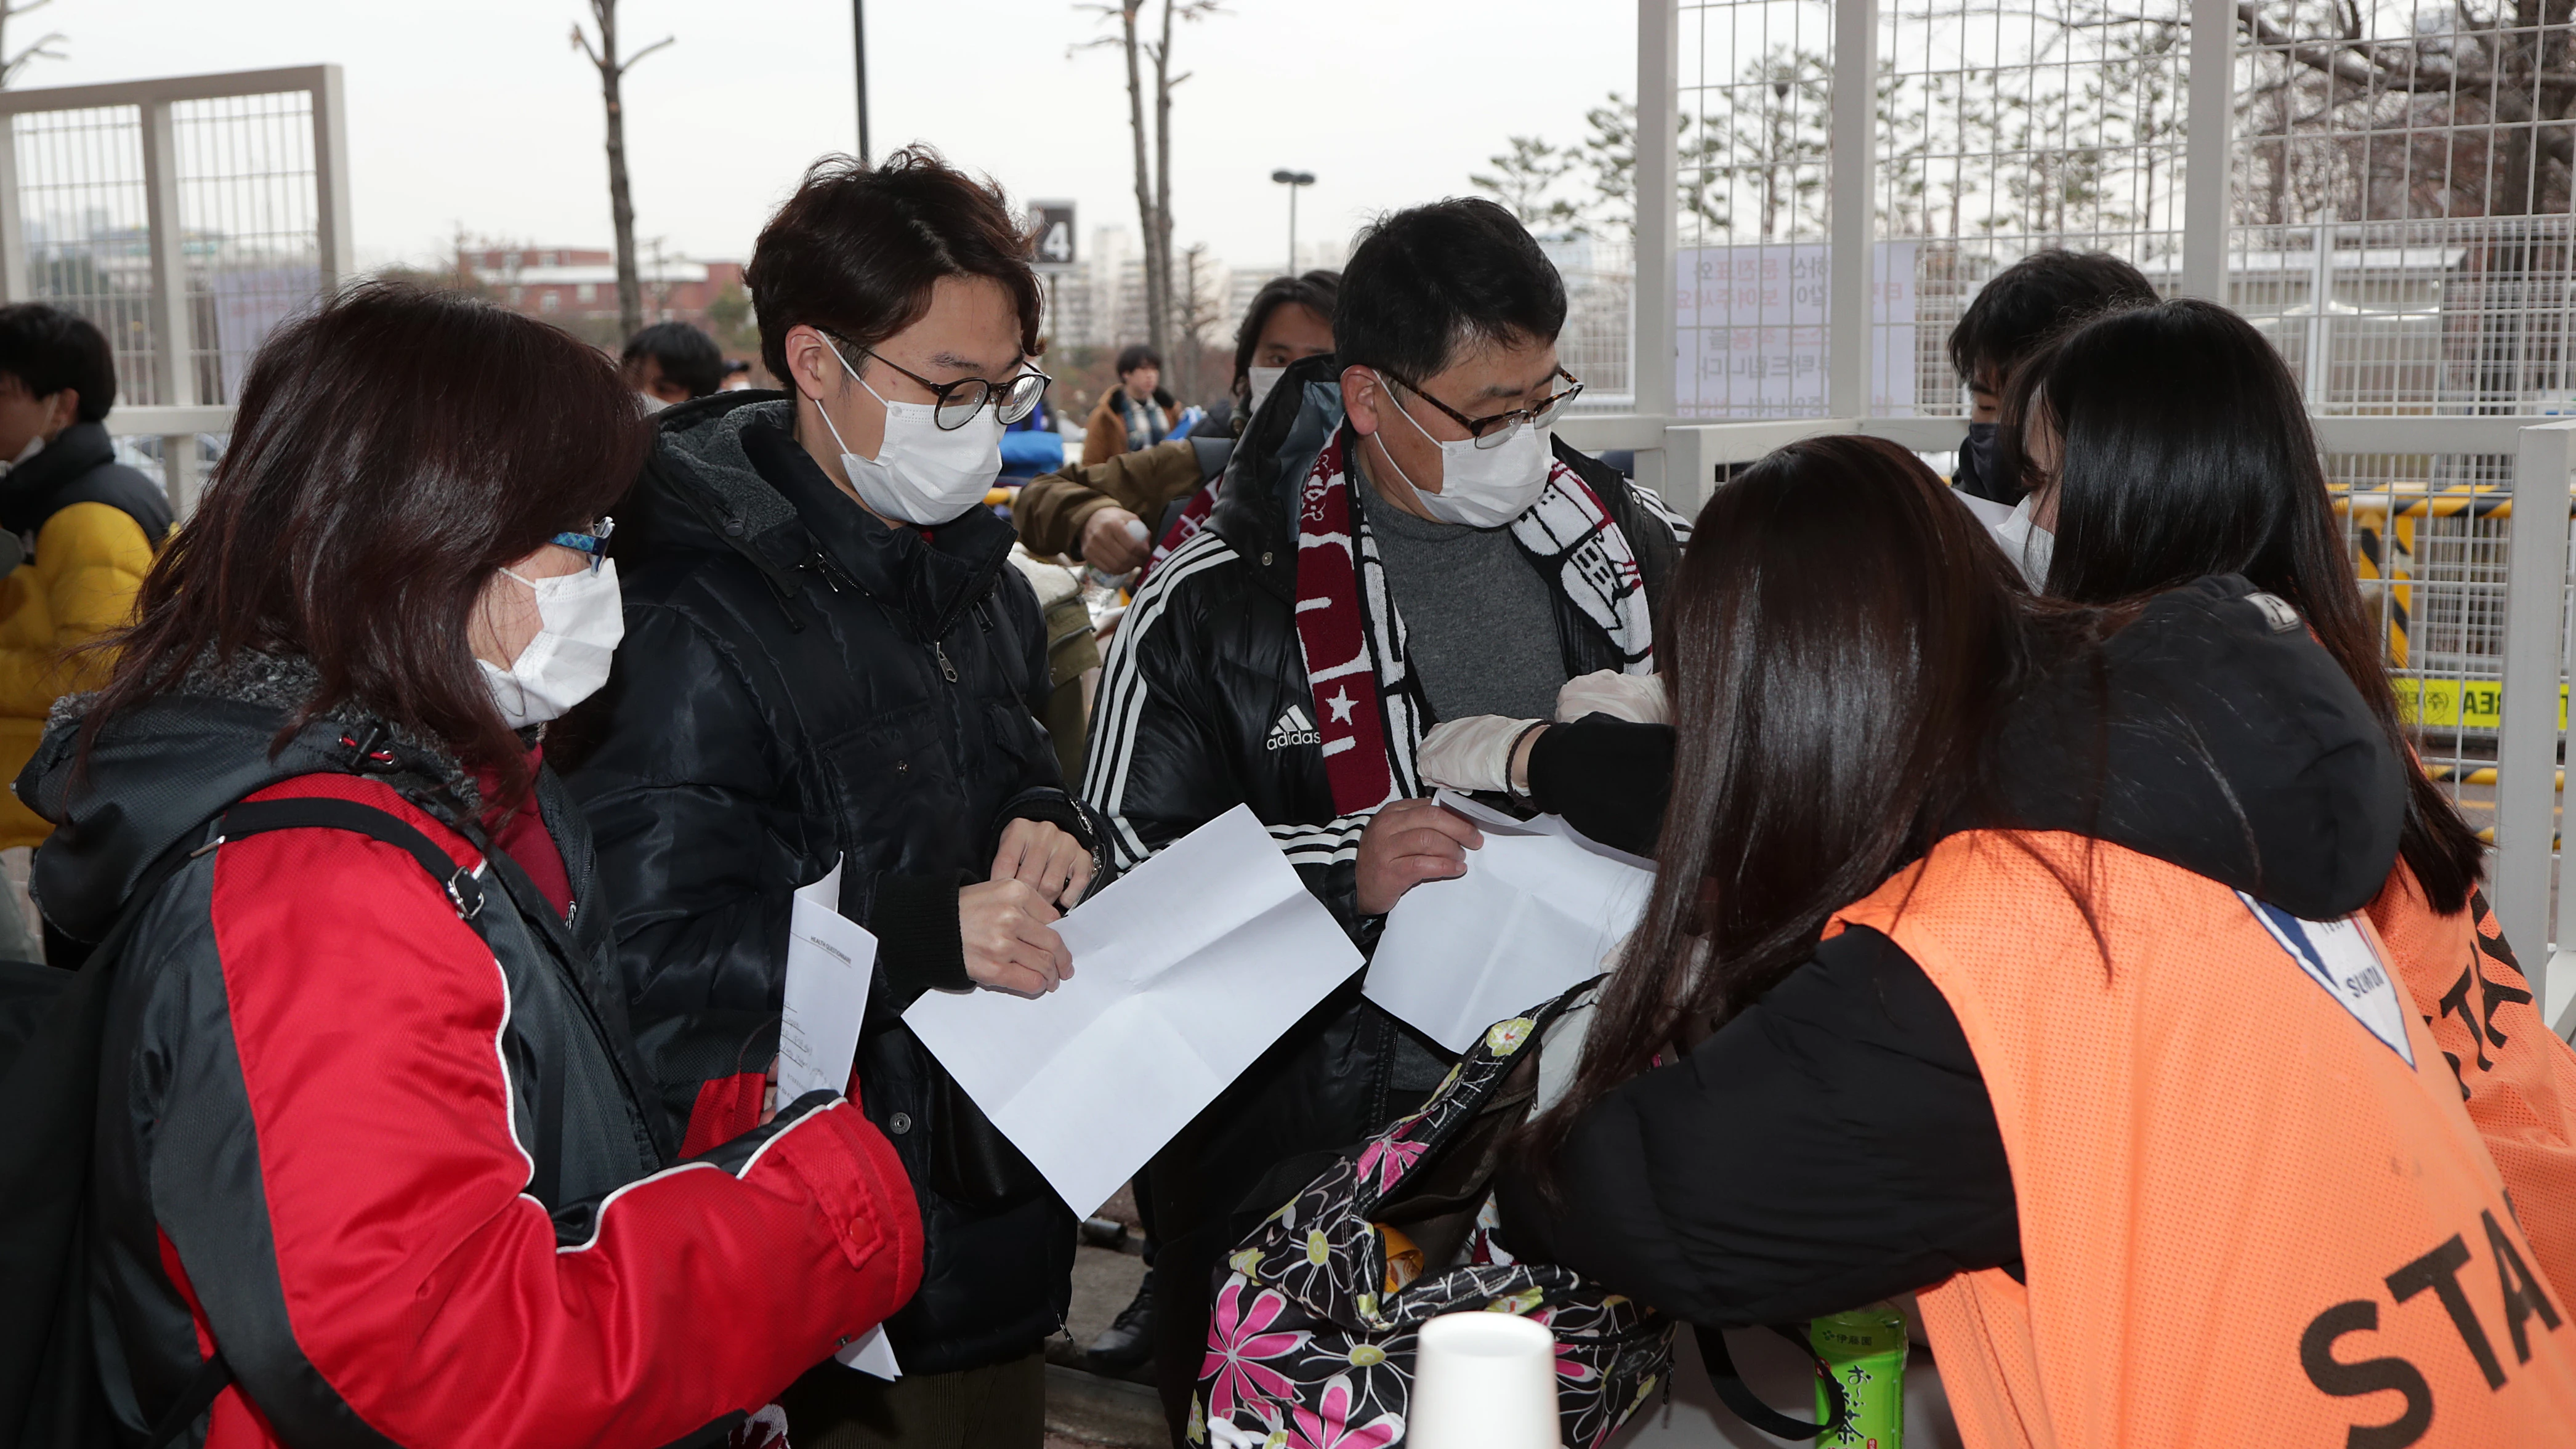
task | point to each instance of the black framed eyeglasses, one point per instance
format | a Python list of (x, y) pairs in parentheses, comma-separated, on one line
[(954, 404), (593, 543), (1491, 432)]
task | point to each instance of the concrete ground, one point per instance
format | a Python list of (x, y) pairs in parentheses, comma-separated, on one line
[(1086, 1410)]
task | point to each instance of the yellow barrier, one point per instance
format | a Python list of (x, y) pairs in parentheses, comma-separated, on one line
[(2468, 704), (2419, 500), (2479, 775), (2384, 523)]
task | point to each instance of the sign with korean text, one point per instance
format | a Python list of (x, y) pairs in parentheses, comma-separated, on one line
[(1752, 324)]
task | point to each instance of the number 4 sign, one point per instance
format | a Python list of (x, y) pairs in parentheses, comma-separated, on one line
[(1051, 233)]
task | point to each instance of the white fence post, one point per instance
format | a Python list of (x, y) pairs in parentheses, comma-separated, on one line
[(1650, 328), (1854, 180), (174, 351), (331, 181), (16, 283), (2527, 734), (2208, 159)]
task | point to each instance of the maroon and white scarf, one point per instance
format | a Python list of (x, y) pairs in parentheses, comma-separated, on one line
[(1369, 704), (1194, 517)]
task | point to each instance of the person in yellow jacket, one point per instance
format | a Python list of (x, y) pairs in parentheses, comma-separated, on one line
[(86, 525)]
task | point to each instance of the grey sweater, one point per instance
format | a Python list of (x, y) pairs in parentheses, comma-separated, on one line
[(1479, 622)]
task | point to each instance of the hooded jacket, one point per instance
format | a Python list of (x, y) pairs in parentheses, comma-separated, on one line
[(1833, 1143), (90, 527), (802, 688), (360, 1144)]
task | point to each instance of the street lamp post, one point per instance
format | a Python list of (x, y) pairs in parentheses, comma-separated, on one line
[(859, 38), (1292, 180)]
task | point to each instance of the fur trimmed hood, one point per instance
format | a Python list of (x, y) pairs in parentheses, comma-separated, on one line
[(164, 767)]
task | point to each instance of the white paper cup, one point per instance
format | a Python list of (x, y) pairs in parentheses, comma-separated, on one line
[(1483, 1381)]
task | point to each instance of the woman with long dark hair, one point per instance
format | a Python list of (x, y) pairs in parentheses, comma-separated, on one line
[(2170, 442), (377, 1134), (2000, 951)]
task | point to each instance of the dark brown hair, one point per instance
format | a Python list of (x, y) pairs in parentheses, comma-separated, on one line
[(48, 349), (1315, 291), (856, 251), (2185, 451), (2025, 304), (1840, 632), (391, 452)]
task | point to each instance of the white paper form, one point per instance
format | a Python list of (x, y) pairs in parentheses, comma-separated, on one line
[(1538, 911), (1185, 970), (831, 962)]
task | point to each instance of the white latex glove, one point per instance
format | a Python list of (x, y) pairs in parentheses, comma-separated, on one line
[(1473, 753), (1636, 698)]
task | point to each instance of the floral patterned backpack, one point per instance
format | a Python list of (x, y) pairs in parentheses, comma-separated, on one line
[(1311, 1345)]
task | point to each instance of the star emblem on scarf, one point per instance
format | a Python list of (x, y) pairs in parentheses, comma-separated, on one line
[(1341, 705)]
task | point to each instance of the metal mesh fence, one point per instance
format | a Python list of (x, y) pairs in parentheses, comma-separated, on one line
[(1749, 309), (2429, 536), (2002, 130), (1998, 131), (89, 245), (246, 207), (246, 229), (2401, 200), (1599, 275)]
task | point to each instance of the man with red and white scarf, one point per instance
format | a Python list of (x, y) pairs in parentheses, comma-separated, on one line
[(1400, 540)]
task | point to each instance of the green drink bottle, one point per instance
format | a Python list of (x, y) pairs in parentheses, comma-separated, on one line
[(1864, 1349)]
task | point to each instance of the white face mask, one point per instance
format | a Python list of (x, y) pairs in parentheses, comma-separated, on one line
[(34, 446), (2028, 544), (922, 473), (579, 621), (1263, 380), (1480, 487)]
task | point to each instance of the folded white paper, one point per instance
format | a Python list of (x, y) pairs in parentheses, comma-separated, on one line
[(872, 1355), (1540, 908), (830, 963), (1185, 970)]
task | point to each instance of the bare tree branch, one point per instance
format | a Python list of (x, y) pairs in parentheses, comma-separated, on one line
[(648, 50)]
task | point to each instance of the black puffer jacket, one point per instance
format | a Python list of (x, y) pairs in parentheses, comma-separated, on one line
[(799, 683), (1208, 663), (1189, 719)]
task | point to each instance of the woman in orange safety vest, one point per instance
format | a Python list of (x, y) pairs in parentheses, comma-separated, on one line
[(2186, 451), (2016, 953)]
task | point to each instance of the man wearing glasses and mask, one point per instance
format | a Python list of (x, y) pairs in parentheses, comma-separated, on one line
[(828, 662), (1408, 544)]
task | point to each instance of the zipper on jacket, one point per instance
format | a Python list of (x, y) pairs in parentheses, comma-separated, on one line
[(947, 670)]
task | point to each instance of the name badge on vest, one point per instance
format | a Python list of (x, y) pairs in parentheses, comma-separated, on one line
[(2338, 956)]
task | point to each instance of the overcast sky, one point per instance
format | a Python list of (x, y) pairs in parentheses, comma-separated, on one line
[(479, 113)]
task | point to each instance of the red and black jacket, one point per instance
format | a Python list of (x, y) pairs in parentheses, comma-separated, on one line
[(399, 1167)]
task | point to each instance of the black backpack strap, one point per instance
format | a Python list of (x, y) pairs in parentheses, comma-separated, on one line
[(464, 893), (1737, 1395), (310, 812), (194, 1400)]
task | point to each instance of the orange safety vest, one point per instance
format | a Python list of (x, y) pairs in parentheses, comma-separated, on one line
[(2518, 1078), (2253, 1211)]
